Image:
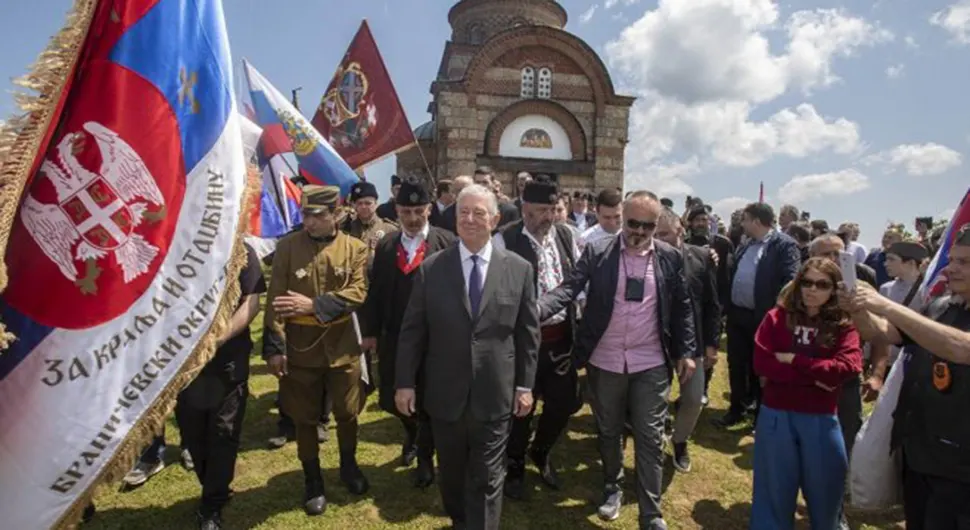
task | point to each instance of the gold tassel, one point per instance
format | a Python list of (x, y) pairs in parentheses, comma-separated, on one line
[(21, 136), (154, 417)]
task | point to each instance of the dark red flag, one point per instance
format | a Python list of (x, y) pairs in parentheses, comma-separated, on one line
[(360, 113)]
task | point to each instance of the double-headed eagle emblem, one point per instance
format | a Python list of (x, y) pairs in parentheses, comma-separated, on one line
[(96, 213)]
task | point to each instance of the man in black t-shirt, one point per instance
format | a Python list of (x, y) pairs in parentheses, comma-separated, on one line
[(210, 410)]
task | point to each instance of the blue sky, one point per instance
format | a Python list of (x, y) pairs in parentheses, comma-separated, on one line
[(851, 110)]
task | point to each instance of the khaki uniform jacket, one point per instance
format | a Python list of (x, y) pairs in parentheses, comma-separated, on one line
[(334, 276)]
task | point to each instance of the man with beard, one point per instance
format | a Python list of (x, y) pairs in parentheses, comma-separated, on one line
[(396, 259), (699, 234), (551, 250), (319, 279)]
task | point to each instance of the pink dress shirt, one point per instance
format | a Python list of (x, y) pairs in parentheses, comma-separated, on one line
[(631, 342)]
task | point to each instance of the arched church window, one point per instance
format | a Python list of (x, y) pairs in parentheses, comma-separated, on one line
[(528, 82), (475, 33), (545, 83)]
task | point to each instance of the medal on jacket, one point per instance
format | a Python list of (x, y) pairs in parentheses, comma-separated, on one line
[(942, 378)]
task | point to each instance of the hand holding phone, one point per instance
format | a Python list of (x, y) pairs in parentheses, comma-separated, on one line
[(847, 264)]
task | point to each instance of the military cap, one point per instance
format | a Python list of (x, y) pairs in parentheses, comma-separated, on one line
[(908, 250), (318, 199), (540, 192), (412, 193), (395, 180), (362, 190)]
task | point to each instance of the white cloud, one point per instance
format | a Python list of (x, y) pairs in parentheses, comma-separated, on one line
[(955, 20), (708, 50), (945, 214), (701, 68), (664, 180), (610, 4), (916, 159), (894, 71), (911, 42), (725, 207), (587, 15), (807, 187)]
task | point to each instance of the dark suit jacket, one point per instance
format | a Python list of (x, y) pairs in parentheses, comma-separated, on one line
[(725, 255), (470, 363), (509, 213), (599, 266), (701, 276), (779, 264), (435, 217), (387, 211)]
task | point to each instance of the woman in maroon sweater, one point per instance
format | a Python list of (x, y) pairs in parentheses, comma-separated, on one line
[(805, 349)]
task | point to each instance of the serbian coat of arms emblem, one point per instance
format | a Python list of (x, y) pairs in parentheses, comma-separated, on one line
[(96, 214), (351, 113)]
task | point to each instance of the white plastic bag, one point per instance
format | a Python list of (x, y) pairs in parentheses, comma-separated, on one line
[(875, 475)]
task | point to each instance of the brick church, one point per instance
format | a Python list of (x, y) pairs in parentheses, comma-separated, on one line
[(517, 92)]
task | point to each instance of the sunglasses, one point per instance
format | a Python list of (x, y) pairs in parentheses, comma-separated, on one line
[(633, 224), (821, 285)]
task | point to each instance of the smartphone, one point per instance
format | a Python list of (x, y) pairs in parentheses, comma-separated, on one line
[(847, 264)]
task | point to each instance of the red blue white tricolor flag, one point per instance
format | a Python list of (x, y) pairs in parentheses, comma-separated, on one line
[(120, 251), (286, 130), (934, 283)]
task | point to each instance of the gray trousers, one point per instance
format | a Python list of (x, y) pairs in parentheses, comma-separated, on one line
[(644, 394), (690, 406)]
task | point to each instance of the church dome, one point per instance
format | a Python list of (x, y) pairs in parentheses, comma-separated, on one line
[(476, 21)]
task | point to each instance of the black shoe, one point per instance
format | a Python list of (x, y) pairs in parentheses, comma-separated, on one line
[(409, 453), (515, 481), (314, 501), (352, 476), (547, 471), (210, 521), (610, 509), (424, 474), (88, 514), (730, 419), (681, 457)]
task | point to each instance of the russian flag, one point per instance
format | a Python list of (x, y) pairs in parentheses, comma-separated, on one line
[(934, 284), (286, 130), (276, 210)]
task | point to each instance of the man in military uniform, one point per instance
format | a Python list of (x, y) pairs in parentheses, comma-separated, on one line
[(388, 210), (368, 226), (318, 280), (396, 259)]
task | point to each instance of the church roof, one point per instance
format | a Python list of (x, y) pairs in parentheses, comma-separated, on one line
[(425, 131)]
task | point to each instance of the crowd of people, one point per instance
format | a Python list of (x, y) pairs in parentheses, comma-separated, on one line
[(474, 306)]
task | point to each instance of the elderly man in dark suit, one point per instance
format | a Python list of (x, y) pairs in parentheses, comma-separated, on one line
[(763, 265), (637, 329), (471, 329)]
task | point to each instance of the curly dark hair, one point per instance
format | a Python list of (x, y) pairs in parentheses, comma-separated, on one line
[(831, 319)]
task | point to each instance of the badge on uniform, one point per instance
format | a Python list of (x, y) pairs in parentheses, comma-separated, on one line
[(942, 378), (300, 274)]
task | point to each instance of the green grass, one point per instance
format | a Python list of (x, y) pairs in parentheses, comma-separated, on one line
[(269, 485)]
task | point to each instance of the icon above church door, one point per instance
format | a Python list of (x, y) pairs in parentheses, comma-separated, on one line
[(536, 139)]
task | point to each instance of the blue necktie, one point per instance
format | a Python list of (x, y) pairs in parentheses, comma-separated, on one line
[(475, 286)]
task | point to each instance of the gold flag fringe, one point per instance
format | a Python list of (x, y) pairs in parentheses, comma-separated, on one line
[(21, 135), (149, 425)]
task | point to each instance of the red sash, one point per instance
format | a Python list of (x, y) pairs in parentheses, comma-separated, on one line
[(402, 257)]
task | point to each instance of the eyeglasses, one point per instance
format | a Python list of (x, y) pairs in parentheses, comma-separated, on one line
[(633, 224), (821, 285)]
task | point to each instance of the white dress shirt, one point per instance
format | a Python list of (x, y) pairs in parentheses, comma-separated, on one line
[(580, 219), (411, 244), (484, 257)]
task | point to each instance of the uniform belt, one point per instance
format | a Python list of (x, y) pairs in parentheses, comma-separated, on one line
[(310, 320), (555, 332)]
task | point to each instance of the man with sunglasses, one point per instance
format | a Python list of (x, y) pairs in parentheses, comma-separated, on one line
[(638, 327), (930, 422)]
